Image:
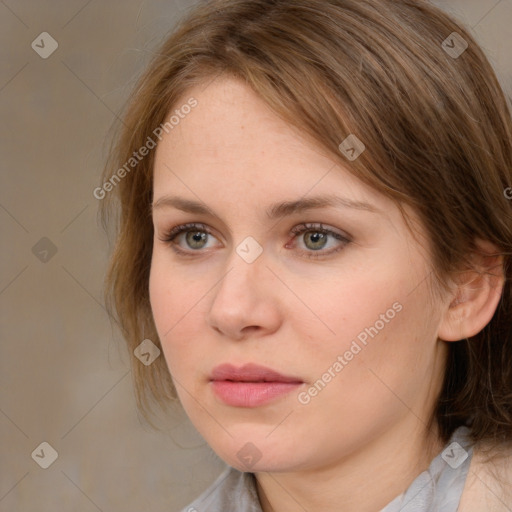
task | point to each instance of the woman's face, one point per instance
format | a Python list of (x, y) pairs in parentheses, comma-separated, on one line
[(334, 298)]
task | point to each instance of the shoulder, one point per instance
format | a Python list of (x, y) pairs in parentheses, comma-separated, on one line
[(489, 482)]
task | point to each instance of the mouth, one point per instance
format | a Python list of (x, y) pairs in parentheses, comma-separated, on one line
[(250, 385)]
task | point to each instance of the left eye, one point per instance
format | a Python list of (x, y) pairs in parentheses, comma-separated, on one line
[(315, 239)]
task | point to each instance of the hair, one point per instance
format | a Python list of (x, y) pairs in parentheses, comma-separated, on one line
[(438, 135)]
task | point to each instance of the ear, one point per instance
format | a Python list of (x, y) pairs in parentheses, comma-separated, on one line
[(476, 295)]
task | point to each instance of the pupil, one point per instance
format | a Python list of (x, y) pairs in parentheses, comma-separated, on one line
[(196, 238), (315, 238)]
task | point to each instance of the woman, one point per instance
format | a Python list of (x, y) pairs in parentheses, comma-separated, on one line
[(314, 229)]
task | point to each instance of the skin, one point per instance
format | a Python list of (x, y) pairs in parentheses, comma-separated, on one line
[(363, 439)]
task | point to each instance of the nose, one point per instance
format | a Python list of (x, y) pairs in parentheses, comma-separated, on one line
[(245, 301)]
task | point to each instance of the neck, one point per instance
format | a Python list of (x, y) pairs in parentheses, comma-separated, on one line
[(365, 481)]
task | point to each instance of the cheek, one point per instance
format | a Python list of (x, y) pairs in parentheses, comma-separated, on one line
[(177, 312), (374, 324), (349, 306)]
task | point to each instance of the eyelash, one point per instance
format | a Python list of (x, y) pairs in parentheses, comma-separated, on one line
[(297, 231)]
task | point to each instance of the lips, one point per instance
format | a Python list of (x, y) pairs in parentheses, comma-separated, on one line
[(249, 373), (250, 385)]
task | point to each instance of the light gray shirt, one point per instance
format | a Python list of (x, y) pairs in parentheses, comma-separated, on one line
[(437, 489)]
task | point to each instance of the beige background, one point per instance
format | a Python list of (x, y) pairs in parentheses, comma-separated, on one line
[(65, 376)]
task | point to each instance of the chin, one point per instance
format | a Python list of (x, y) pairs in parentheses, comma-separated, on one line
[(258, 453)]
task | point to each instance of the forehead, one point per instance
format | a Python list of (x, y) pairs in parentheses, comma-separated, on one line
[(232, 145), (231, 120)]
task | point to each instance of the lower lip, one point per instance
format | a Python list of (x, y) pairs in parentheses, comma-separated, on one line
[(251, 394)]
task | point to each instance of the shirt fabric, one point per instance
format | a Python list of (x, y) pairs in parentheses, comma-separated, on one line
[(437, 489)]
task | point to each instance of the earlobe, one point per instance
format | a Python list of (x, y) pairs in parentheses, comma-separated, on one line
[(476, 296)]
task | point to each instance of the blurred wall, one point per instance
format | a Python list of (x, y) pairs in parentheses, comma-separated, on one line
[(65, 377)]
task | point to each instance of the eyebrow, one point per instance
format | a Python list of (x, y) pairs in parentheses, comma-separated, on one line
[(275, 211)]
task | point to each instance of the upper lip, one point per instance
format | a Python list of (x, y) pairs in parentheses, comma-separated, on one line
[(249, 373)]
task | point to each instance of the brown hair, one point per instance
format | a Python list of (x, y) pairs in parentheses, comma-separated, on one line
[(437, 131)]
